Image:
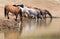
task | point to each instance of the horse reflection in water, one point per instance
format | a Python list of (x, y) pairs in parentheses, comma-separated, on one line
[(31, 24), (45, 22)]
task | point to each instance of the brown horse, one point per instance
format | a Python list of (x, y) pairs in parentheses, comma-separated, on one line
[(12, 9)]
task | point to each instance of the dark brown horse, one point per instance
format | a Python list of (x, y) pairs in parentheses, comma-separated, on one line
[(44, 13), (12, 9)]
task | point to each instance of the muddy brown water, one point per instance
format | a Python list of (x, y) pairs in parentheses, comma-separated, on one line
[(31, 28)]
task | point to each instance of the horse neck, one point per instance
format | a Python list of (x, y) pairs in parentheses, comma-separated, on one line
[(26, 8)]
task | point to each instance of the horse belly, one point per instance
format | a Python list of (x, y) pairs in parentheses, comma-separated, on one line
[(33, 12)]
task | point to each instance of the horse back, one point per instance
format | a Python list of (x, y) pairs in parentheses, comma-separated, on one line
[(12, 8)]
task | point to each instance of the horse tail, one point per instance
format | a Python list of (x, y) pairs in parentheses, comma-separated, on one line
[(5, 11), (47, 12)]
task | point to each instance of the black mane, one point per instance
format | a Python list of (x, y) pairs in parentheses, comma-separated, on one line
[(19, 5)]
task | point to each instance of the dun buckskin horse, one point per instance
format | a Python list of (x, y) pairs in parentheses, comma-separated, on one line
[(12, 9)]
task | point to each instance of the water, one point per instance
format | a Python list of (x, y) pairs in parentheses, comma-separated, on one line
[(43, 29)]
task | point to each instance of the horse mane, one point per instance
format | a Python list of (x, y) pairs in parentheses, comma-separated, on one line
[(15, 5), (19, 5)]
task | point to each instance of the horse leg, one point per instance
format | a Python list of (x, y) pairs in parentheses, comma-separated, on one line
[(20, 13), (45, 15), (16, 17), (36, 19), (42, 16)]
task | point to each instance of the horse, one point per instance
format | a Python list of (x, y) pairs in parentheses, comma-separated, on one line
[(12, 9), (44, 13), (22, 6)]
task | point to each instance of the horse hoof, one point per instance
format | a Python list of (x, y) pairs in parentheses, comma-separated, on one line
[(8, 17)]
